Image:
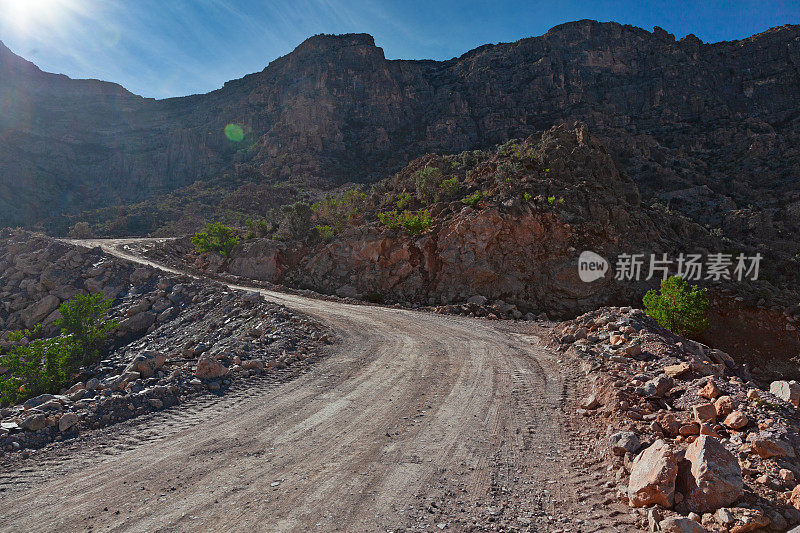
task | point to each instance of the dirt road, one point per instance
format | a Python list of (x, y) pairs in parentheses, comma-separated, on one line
[(415, 421)]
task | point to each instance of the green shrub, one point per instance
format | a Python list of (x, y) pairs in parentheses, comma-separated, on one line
[(82, 318), (81, 230), (416, 223), (258, 228), (509, 148), (47, 365), (450, 187), (326, 232), (41, 366), (296, 223), (339, 211), (473, 199), (527, 196), (413, 222), (216, 237), (427, 182), (390, 219), (678, 306), (403, 201), (374, 297)]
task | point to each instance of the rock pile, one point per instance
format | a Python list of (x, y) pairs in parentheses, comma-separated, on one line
[(177, 337), (694, 441)]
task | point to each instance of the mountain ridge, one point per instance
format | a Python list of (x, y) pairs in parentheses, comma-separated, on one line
[(336, 110)]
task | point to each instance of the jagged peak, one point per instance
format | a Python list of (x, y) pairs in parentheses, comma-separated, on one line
[(324, 41), (339, 39)]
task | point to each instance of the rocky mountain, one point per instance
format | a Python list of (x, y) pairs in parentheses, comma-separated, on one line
[(498, 233), (710, 129)]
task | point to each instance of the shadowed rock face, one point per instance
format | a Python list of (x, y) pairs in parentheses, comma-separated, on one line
[(710, 125)]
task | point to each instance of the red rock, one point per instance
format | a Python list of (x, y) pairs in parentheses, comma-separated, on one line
[(678, 370), (736, 420), (209, 368), (724, 405), (710, 391), (690, 429), (709, 476), (767, 447), (705, 412), (794, 499), (652, 480), (669, 424)]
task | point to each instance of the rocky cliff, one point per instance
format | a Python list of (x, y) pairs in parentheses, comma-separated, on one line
[(711, 129), (506, 227)]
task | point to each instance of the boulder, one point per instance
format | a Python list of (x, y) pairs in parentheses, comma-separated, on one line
[(679, 524), (658, 387), (210, 368), (140, 275), (710, 391), (724, 405), (34, 422), (137, 323), (669, 423), (623, 442), (678, 370), (746, 520), (253, 364), (477, 300), (347, 291), (37, 312), (653, 474), (147, 363), (705, 412), (786, 390), (794, 499), (766, 446), (709, 476), (736, 420), (67, 421), (36, 401)]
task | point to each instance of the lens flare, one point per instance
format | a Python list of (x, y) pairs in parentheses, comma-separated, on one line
[(234, 132)]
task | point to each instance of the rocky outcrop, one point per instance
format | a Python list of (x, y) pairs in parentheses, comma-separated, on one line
[(519, 244)]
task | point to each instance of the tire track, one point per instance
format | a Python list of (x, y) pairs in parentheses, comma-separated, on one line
[(416, 420)]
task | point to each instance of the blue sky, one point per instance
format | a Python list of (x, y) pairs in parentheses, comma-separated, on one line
[(162, 48)]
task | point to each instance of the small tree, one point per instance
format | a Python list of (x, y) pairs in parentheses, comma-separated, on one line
[(678, 306), (297, 221), (216, 237), (82, 319), (81, 230), (40, 365)]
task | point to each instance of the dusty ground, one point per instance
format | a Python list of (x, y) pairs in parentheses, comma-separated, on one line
[(415, 421)]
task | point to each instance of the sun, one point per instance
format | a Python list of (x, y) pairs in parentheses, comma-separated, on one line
[(30, 15)]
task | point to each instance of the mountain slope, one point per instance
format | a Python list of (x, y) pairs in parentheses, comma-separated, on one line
[(715, 124)]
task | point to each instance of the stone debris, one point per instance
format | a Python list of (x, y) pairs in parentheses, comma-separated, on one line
[(172, 330), (718, 448)]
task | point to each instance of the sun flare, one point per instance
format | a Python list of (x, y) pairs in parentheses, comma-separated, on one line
[(32, 15)]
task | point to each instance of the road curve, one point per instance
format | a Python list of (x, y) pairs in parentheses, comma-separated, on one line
[(415, 421)]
